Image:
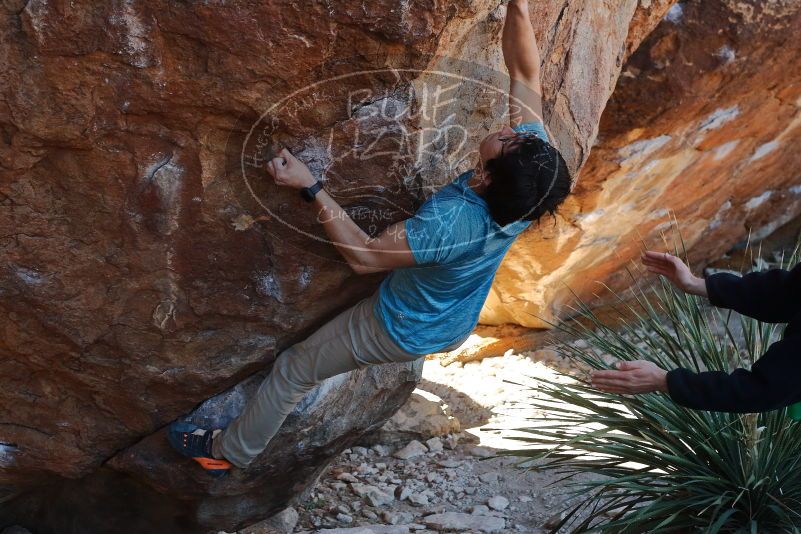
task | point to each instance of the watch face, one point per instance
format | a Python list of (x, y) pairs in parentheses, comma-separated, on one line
[(308, 193)]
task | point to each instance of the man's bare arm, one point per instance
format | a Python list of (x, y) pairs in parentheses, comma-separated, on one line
[(522, 58), (388, 251), (363, 253)]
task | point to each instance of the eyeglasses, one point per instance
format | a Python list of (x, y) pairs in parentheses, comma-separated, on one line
[(517, 136)]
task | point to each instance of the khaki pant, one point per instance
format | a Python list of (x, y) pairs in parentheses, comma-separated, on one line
[(352, 340)]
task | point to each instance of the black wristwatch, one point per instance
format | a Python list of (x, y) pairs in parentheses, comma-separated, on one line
[(308, 193)]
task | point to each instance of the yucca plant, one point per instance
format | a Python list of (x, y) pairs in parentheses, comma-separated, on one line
[(655, 466)]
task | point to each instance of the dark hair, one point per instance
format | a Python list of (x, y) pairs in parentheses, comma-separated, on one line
[(527, 181)]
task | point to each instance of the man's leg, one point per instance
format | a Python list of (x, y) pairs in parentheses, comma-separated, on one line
[(351, 340)]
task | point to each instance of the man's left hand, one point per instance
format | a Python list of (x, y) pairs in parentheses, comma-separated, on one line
[(639, 376), (287, 170)]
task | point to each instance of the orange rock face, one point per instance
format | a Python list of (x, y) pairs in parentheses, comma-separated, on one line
[(149, 269), (704, 126)]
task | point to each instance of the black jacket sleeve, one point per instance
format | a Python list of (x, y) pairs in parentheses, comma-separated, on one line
[(770, 296), (773, 382)]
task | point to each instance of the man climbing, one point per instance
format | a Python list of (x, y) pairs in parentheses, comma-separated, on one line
[(443, 261)]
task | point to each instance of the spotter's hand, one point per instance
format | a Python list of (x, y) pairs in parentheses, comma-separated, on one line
[(639, 376), (287, 170), (675, 270)]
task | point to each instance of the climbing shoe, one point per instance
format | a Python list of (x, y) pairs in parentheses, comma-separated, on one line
[(195, 442)]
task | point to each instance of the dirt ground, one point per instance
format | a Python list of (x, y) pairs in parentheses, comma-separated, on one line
[(449, 483)]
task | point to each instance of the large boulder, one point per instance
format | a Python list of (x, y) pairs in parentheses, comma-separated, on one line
[(703, 128), (149, 266)]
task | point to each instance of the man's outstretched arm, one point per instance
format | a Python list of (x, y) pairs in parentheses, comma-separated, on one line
[(771, 383), (772, 380), (363, 253), (522, 59)]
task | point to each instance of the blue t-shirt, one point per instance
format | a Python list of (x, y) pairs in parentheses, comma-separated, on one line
[(458, 247)]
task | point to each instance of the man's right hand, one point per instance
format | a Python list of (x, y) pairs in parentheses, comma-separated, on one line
[(289, 171), (675, 270)]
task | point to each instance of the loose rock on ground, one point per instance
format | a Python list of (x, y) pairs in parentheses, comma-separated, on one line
[(453, 482)]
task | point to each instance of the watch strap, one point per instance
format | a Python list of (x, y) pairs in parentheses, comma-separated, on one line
[(308, 193)]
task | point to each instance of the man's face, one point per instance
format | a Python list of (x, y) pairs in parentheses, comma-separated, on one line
[(491, 146)]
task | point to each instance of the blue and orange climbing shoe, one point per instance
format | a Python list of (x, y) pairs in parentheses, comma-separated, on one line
[(195, 442)]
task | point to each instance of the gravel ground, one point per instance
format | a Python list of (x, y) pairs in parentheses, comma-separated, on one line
[(448, 483)]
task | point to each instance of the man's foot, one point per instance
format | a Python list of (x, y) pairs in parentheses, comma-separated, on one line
[(195, 442)]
